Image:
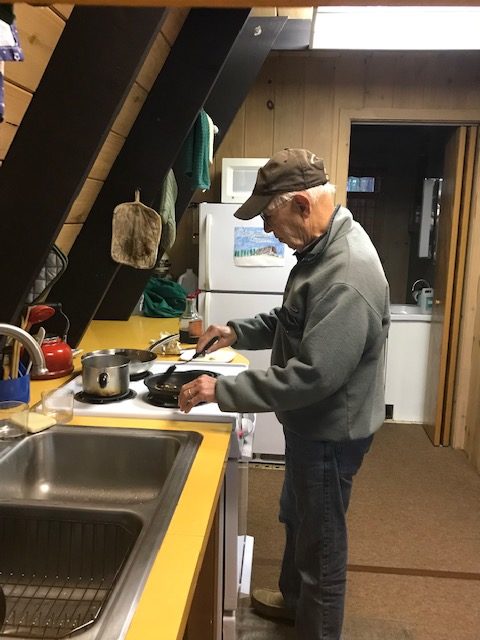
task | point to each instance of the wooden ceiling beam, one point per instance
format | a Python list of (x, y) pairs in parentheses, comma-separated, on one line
[(231, 88), (90, 72), (153, 143)]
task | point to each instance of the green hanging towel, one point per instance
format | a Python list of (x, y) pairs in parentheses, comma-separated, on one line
[(164, 203), (163, 299), (194, 156)]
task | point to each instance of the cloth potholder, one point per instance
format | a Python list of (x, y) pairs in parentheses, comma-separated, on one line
[(136, 232), (54, 266)]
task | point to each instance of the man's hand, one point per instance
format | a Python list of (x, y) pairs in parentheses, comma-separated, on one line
[(202, 389), (226, 337)]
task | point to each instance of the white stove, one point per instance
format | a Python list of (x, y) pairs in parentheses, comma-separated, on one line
[(137, 407)]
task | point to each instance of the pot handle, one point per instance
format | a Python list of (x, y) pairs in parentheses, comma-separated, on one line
[(103, 379)]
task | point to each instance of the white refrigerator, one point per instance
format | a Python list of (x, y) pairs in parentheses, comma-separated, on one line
[(234, 286)]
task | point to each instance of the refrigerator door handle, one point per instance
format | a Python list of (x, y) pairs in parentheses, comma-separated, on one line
[(206, 310), (208, 248)]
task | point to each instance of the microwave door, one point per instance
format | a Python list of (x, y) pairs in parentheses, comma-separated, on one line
[(238, 178)]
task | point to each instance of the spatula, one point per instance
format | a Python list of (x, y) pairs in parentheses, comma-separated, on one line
[(197, 354)]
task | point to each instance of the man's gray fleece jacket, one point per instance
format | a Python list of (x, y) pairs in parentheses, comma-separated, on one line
[(326, 379)]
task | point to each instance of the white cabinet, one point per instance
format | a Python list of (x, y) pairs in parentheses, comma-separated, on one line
[(406, 366)]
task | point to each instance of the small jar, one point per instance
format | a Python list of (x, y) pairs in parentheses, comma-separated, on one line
[(191, 323)]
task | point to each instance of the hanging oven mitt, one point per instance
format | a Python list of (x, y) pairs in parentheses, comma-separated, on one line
[(55, 265), (136, 232)]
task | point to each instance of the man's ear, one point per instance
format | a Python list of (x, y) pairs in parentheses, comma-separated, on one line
[(303, 203)]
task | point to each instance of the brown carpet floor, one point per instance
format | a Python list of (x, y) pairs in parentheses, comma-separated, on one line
[(414, 563)]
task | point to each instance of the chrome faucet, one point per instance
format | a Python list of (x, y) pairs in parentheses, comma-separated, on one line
[(36, 354)]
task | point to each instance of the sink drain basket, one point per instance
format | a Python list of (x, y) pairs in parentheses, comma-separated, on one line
[(58, 567)]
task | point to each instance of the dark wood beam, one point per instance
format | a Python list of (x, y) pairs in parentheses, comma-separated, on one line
[(295, 35), (228, 93), (154, 141), (257, 39), (90, 72)]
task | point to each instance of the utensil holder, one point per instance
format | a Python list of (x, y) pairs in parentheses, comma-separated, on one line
[(16, 389)]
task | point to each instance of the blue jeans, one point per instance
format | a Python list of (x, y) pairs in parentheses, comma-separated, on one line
[(313, 506)]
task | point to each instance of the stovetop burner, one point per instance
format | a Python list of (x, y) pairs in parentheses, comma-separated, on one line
[(140, 376), (150, 398), (88, 398)]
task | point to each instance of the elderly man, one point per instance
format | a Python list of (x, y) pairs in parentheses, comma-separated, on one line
[(325, 382)]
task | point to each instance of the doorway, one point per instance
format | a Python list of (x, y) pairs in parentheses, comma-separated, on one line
[(387, 167), (421, 148)]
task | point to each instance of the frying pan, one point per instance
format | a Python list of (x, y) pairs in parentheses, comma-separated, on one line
[(167, 390), (140, 360)]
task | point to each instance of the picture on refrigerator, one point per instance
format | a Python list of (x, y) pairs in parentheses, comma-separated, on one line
[(231, 290)]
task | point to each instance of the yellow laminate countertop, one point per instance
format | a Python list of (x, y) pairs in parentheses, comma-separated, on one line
[(163, 608)]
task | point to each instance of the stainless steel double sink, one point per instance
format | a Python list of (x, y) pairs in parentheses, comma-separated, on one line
[(83, 512)]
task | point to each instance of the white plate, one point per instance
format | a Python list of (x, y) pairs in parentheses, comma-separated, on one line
[(222, 355)]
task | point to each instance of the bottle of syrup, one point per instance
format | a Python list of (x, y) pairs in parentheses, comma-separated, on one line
[(191, 322)]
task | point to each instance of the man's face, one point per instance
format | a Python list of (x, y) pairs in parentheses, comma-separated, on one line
[(287, 224)]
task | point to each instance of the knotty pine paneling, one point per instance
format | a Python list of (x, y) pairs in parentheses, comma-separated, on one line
[(106, 157), (378, 85), (7, 133), (63, 10), (16, 103), (260, 115), (233, 146), (311, 89), (84, 202), (173, 23), (319, 105), (154, 62), (289, 101), (67, 236), (130, 110), (39, 29), (121, 127)]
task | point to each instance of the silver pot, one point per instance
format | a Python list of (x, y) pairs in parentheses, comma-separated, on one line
[(140, 360), (105, 375)]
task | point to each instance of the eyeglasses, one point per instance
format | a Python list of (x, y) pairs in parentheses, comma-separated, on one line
[(267, 216)]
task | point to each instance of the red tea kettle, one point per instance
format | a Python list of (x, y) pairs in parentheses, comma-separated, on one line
[(58, 354)]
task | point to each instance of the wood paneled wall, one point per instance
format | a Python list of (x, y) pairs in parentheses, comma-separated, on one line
[(39, 31), (299, 96), (300, 99)]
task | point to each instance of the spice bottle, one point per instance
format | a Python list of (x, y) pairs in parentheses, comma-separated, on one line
[(191, 322)]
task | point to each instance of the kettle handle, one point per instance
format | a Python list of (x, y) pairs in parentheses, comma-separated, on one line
[(103, 379)]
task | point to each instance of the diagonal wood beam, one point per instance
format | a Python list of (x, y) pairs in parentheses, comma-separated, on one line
[(228, 93), (247, 57), (154, 141), (90, 72)]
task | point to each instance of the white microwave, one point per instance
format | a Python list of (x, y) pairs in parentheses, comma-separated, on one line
[(238, 178)]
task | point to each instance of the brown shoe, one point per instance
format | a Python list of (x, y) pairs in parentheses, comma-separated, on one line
[(270, 603)]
